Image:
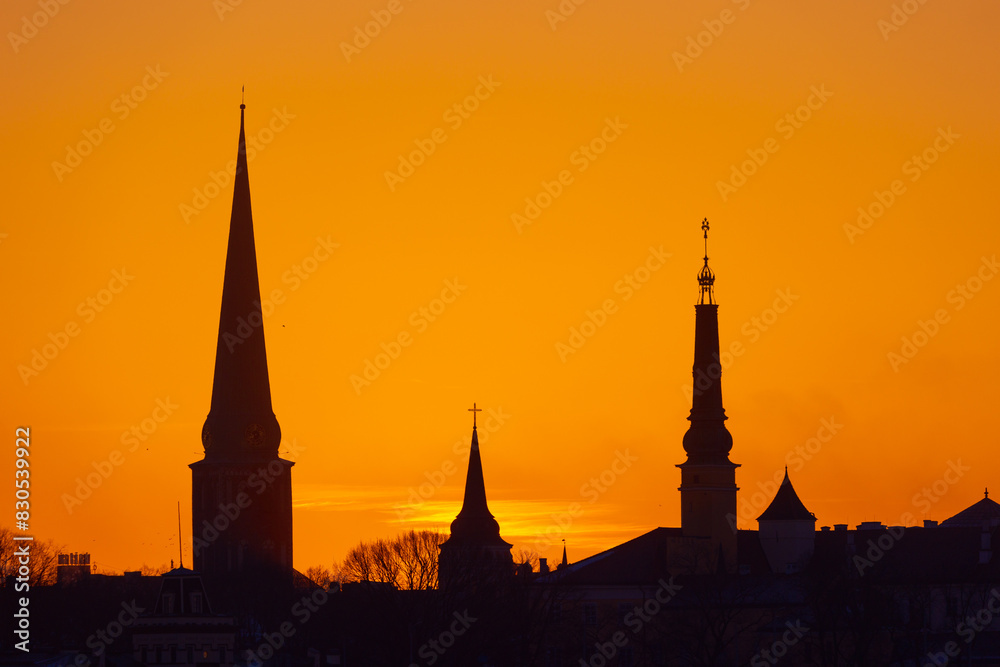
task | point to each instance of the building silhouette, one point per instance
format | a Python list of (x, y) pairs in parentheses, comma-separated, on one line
[(181, 630), (701, 593), (708, 593)]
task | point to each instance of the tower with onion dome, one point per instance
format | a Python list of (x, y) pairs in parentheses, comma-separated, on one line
[(708, 478)]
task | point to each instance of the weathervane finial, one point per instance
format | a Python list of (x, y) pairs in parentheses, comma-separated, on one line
[(705, 277), (243, 96)]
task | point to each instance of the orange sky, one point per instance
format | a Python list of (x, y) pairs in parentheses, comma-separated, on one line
[(664, 129)]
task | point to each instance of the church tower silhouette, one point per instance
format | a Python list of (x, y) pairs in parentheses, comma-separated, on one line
[(475, 554), (242, 490), (708, 478)]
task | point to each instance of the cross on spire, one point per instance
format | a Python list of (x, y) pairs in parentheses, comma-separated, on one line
[(474, 410)]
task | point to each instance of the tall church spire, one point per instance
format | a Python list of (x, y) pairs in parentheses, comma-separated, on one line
[(241, 422), (707, 440), (241, 434), (475, 553), (475, 523), (708, 477)]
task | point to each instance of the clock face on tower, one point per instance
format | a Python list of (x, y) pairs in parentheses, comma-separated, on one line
[(255, 436), (206, 437)]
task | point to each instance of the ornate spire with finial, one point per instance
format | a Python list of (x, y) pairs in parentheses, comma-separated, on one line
[(707, 438), (706, 279), (708, 478)]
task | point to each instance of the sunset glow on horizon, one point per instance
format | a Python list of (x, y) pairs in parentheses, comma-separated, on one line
[(500, 203)]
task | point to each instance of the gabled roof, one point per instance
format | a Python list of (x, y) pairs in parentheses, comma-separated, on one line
[(786, 505)]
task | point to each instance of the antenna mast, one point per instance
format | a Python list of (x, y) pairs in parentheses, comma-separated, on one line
[(180, 545)]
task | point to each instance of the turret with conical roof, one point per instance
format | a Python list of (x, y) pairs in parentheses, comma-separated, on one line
[(787, 530)]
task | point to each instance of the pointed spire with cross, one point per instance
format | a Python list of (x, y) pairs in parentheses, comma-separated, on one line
[(474, 410)]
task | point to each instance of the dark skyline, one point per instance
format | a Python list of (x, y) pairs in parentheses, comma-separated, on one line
[(116, 256)]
